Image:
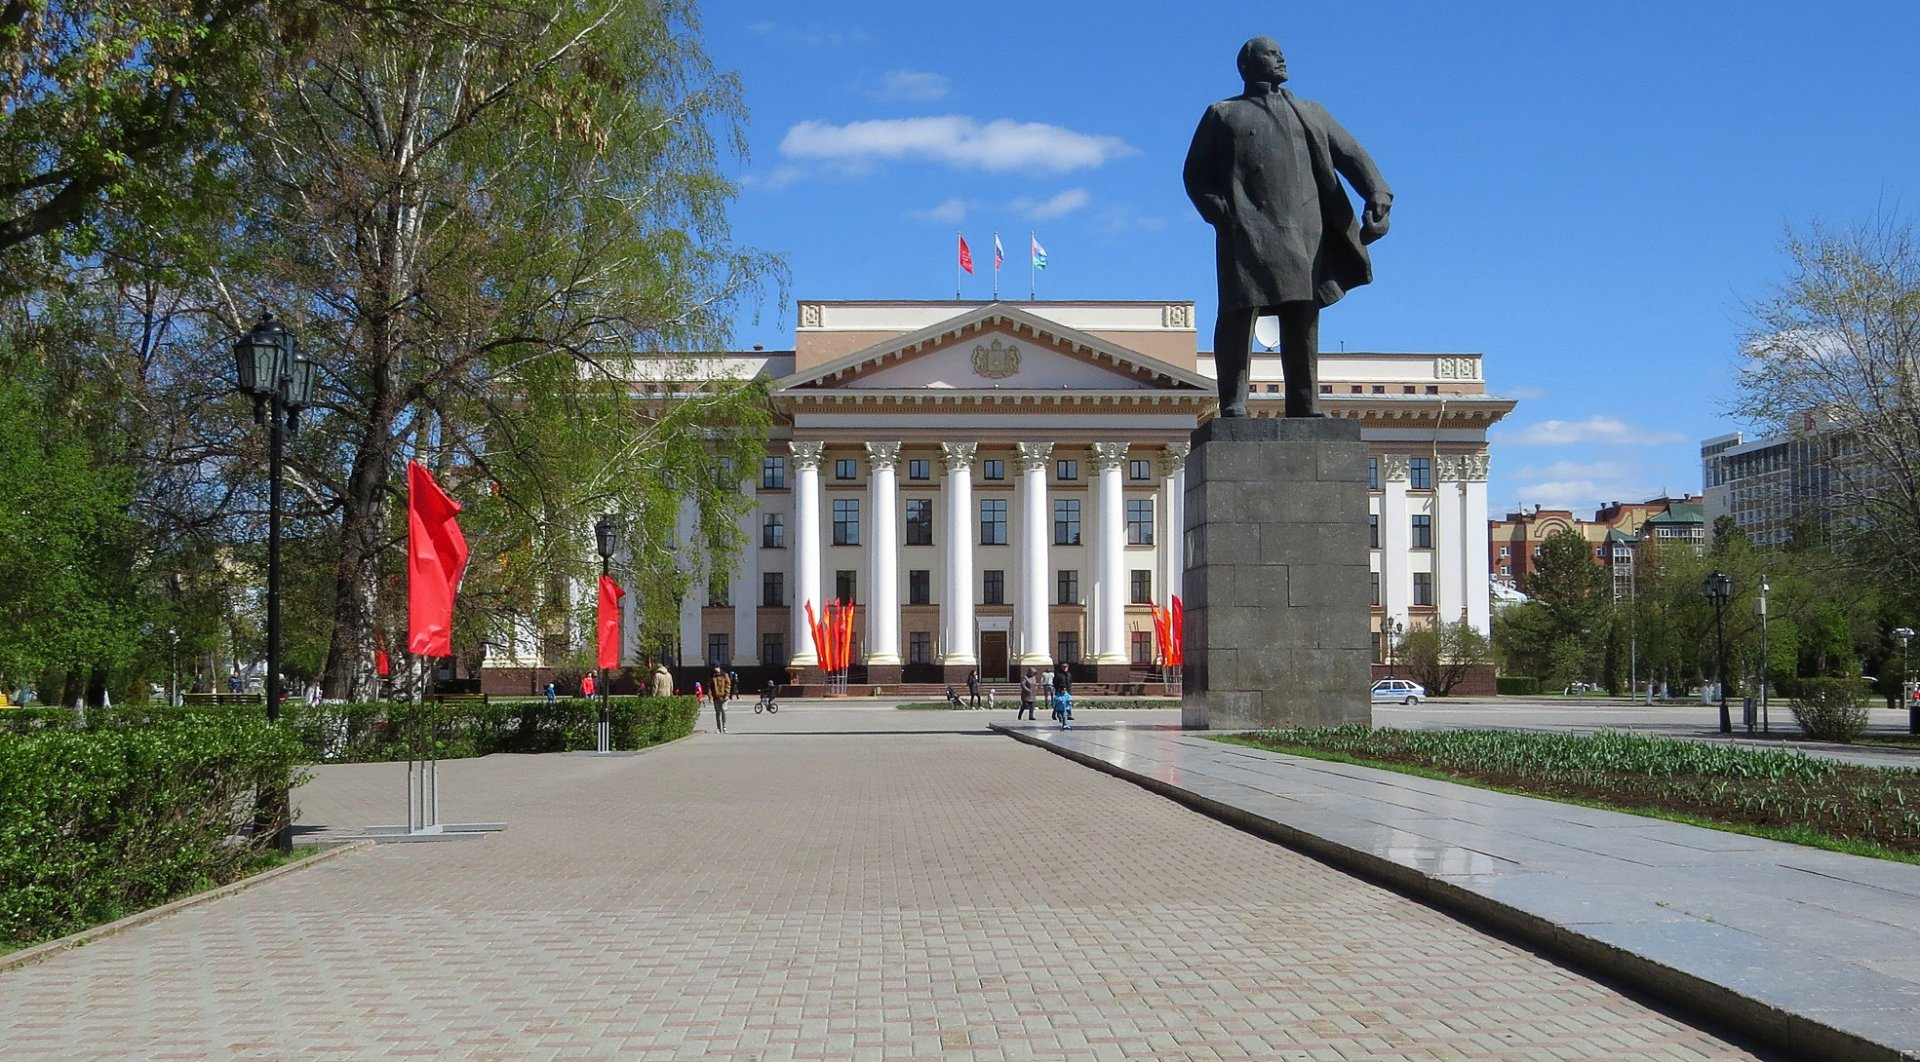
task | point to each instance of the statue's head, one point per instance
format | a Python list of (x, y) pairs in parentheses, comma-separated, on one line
[(1260, 60)]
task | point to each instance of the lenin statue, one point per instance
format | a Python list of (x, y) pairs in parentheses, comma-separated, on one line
[(1262, 171)]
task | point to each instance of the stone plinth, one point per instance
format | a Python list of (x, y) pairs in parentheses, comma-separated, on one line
[(1276, 580)]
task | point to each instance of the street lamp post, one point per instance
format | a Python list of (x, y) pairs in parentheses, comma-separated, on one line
[(1391, 630), (173, 668), (1905, 634), (1719, 588), (606, 538), (280, 382), (1760, 605)]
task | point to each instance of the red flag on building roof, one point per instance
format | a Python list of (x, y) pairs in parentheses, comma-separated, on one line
[(436, 559), (966, 256)]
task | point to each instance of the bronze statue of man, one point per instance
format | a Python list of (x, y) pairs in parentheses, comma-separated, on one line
[(1264, 170)]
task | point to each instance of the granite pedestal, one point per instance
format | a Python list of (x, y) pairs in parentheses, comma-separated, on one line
[(1277, 594)]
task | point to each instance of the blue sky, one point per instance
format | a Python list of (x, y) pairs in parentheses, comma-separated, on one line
[(1588, 194)]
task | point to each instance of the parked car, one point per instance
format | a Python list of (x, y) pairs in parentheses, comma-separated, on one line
[(1582, 687), (1398, 691)]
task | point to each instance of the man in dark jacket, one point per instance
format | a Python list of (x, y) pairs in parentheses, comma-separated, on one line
[(1264, 170)]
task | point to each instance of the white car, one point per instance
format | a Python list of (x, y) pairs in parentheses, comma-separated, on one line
[(1398, 691)]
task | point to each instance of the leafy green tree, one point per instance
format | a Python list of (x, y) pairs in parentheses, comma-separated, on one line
[(1560, 635), (1438, 657)]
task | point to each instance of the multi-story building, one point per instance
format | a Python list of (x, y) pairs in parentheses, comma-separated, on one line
[(1614, 534), (1771, 484), (1000, 485)]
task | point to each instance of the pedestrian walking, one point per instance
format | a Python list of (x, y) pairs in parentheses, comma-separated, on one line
[(235, 684), (721, 689), (992, 702), (586, 686), (553, 693), (1029, 686), (1063, 708), (662, 681), (973, 688)]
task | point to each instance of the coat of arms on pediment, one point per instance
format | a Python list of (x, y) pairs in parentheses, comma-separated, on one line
[(996, 360)]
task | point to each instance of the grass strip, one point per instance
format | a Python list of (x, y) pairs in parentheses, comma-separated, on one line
[(1787, 797)]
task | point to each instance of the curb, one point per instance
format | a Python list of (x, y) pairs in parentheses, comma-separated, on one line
[(48, 949), (1762, 1021)]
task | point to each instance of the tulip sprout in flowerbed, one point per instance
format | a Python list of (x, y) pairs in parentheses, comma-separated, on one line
[(1786, 795)]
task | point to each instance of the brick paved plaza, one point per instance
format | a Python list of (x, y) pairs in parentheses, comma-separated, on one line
[(833, 882)]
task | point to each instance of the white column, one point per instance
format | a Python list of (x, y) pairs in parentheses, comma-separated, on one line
[(1473, 543), (1396, 537), (745, 585), (956, 602), (1173, 522), (806, 549), (693, 649), (1447, 570), (1036, 635), (1110, 619), (883, 555)]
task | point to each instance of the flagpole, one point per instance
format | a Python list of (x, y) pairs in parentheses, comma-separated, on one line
[(957, 238), (1033, 267), (996, 265)]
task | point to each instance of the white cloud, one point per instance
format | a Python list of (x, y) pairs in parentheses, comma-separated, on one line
[(952, 212), (1125, 219), (773, 180), (1581, 486), (1042, 209), (915, 85), (955, 140), (1593, 430)]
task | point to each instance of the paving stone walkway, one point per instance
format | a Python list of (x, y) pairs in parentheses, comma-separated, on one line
[(830, 883)]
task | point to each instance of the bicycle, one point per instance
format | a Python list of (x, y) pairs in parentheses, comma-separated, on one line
[(766, 704)]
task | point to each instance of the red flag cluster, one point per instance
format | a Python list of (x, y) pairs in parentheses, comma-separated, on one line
[(436, 559), (832, 634), (1169, 633)]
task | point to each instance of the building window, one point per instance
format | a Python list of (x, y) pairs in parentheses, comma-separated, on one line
[(1066, 584), (1373, 473), (919, 468), (1376, 647), (1066, 469), (1139, 521), (1376, 587), (1420, 473), (773, 473), (1142, 586), (773, 531), (1139, 469), (919, 521), (719, 653), (773, 648), (993, 521), (919, 647), (993, 587), (1423, 588), (773, 589), (1422, 532), (1373, 530), (843, 468), (993, 469), (1379, 389), (845, 585), (1142, 647), (1273, 389), (919, 586), (1068, 649), (846, 521), (1503, 551), (720, 593), (1066, 521)]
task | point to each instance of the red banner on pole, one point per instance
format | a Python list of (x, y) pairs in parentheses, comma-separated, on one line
[(1179, 639), (609, 621), (436, 559)]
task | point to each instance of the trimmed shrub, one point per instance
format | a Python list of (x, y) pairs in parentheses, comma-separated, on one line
[(1516, 685), (99, 822), (1831, 709)]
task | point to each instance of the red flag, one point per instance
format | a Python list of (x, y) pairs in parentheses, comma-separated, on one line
[(813, 628), (609, 621), (846, 638), (1160, 634), (966, 257), (1179, 638), (381, 665), (436, 558)]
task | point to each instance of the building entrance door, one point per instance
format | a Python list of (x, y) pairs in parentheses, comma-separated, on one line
[(993, 656)]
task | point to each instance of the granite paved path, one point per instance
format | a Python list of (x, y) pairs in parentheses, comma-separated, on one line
[(837, 883)]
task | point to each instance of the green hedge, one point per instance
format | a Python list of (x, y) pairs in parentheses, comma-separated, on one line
[(1516, 685), (99, 822), (384, 731)]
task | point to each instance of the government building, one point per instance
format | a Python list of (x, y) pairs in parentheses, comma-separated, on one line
[(998, 486)]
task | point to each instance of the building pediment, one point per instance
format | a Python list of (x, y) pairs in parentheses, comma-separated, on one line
[(996, 348)]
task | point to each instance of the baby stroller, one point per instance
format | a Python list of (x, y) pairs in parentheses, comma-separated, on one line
[(953, 697)]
